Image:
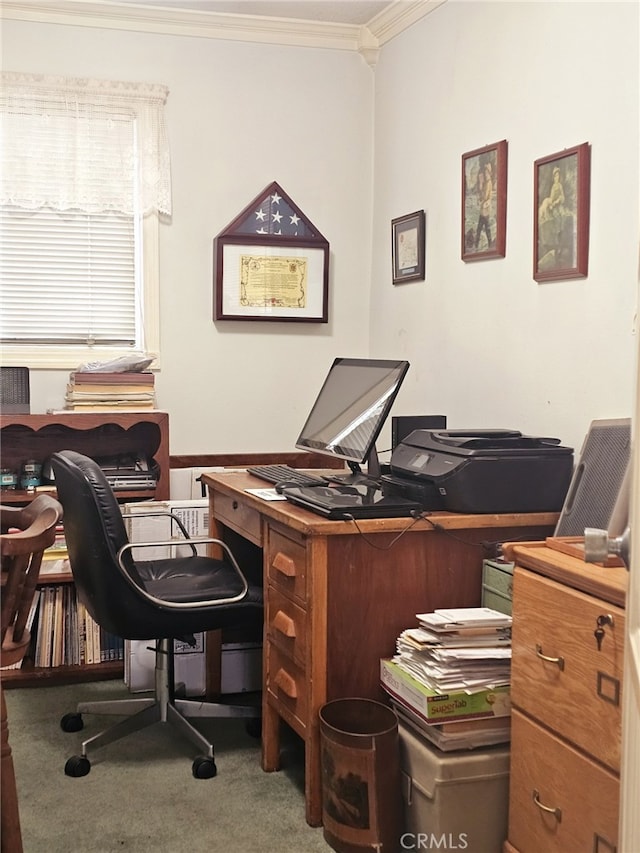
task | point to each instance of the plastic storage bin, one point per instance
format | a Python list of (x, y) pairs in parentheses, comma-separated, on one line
[(453, 800)]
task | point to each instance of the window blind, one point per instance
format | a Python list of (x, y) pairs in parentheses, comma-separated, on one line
[(67, 277), (85, 174)]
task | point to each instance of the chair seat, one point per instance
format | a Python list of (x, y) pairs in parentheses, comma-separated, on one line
[(193, 579)]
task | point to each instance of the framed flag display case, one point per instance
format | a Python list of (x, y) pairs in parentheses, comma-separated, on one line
[(271, 263)]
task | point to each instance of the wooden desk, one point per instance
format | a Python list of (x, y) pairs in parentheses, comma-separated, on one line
[(338, 594)]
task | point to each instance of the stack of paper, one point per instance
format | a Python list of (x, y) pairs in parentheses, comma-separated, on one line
[(98, 390), (463, 649), (453, 654)]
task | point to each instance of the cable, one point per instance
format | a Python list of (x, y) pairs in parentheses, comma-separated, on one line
[(416, 518), (491, 548)]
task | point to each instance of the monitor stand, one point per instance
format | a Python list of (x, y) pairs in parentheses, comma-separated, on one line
[(357, 476)]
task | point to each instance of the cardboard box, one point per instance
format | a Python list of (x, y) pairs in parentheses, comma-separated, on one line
[(453, 800), (142, 527), (434, 707), (241, 668)]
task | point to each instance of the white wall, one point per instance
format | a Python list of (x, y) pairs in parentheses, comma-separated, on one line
[(489, 346), (239, 117)]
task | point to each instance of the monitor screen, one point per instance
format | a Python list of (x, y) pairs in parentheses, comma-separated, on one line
[(351, 408)]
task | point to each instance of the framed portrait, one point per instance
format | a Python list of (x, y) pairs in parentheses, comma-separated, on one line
[(271, 263), (407, 247), (484, 202), (561, 214)]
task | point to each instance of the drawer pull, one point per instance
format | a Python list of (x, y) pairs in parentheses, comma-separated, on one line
[(559, 662), (286, 683), (285, 565), (284, 624), (557, 813)]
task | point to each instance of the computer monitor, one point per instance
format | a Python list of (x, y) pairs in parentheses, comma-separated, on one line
[(350, 410)]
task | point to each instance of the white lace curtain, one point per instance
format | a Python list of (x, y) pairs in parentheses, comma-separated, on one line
[(88, 145)]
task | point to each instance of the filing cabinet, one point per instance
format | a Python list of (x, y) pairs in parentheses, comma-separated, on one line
[(566, 686)]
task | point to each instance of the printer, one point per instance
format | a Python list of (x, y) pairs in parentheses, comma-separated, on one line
[(480, 471)]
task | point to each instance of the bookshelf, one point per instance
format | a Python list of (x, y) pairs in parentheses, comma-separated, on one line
[(95, 434)]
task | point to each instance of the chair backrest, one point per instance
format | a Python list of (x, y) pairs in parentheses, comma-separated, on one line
[(25, 533), (95, 532)]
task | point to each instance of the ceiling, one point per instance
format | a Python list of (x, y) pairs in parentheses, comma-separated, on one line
[(356, 12)]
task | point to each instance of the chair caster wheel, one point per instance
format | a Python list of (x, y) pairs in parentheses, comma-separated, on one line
[(77, 765), (204, 767), (71, 722), (253, 727)]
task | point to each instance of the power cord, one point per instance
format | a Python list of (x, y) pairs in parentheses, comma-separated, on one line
[(491, 548)]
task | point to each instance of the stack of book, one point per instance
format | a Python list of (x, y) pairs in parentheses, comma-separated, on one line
[(64, 634), (451, 676), (90, 391)]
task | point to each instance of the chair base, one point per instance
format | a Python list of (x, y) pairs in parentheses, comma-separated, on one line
[(163, 707)]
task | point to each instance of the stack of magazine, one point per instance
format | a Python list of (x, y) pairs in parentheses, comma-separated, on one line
[(450, 677)]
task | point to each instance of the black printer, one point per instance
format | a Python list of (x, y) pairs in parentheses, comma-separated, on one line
[(480, 471)]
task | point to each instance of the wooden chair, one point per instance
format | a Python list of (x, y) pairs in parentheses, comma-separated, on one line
[(25, 533)]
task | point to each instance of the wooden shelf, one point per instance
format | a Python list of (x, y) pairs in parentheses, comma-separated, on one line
[(30, 676), (95, 434)]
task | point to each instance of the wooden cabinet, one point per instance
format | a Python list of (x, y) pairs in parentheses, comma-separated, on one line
[(95, 434), (566, 685)]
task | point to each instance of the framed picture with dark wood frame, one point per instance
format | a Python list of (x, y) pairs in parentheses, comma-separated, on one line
[(561, 214), (271, 263), (484, 202), (407, 247)]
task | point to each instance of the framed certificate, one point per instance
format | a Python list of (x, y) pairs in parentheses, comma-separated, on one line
[(271, 263), (407, 247)]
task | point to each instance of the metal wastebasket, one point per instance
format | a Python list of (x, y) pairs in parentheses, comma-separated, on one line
[(361, 792)]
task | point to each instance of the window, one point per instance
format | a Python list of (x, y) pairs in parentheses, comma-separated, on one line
[(85, 177)]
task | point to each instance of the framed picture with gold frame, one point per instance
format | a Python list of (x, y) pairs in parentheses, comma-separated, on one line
[(271, 263)]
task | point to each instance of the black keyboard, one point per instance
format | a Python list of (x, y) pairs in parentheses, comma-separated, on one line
[(284, 474)]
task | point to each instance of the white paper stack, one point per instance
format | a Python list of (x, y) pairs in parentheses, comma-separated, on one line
[(462, 650)]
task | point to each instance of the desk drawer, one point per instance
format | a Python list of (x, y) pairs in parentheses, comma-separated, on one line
[(586, 795), (239, 517), (287, 625), (559, 675), (287, 565), (286, 686)]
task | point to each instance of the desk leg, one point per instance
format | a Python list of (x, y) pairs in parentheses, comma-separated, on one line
[(270, 736), (313, 777)]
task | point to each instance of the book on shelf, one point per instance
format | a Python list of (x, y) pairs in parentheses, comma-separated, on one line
[(108, 392), (112, 406), (64, 634), (81, 378), (99, 407)]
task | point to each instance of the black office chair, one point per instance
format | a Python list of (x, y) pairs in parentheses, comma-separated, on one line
[(161, 600)]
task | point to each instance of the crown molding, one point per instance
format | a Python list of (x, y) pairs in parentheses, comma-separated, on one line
[(398, 17), (365, 40)]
